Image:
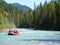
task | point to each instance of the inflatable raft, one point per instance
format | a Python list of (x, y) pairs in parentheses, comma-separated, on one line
[(13, 32)]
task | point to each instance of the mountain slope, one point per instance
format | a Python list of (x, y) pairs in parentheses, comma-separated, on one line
[(21, 7)]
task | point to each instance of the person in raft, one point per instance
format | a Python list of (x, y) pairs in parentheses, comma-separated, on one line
[(16, 31)]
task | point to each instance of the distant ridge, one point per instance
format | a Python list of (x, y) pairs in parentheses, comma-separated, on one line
[(21, 7)]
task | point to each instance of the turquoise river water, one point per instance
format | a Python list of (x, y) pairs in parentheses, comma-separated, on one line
[(31, 37)]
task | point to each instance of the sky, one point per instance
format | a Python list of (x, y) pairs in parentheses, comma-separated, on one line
[(29, 3)]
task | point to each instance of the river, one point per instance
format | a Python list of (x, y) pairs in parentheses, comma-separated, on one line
[(31, 37)]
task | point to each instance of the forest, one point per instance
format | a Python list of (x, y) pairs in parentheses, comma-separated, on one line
[(44, 16)]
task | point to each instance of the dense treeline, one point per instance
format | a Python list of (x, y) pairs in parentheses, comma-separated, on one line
[(44, 17)]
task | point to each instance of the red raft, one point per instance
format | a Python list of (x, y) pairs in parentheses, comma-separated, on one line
[(13, 32)]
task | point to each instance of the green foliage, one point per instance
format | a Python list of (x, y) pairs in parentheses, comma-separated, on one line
[(4, 21), (46, 17)]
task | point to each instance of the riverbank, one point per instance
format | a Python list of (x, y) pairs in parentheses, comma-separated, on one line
[(8, 26), (41, 29)]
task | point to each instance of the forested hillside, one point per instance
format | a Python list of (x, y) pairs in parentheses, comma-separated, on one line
[(5, 11), (43, 17)]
